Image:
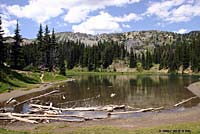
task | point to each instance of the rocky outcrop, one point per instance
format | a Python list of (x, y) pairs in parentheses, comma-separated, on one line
[(136, 39)]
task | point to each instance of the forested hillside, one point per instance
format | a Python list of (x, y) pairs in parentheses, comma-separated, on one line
[(58, 51)]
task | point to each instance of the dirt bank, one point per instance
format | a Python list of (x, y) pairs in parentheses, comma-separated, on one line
[(20, 92), (195, 88)]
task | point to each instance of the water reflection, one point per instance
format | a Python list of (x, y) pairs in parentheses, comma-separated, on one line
[(137, 91)]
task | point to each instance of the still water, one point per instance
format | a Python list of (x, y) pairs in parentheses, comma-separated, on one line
[(138, 91)]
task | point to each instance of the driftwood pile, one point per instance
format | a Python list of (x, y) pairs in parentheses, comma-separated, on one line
[(42, 113), (45, 113)]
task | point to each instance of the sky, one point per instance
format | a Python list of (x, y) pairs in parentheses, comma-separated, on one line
[(100, 16)]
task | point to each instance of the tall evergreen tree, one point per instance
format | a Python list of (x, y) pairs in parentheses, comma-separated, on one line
[(17, 55), (107, 56), (62, 60), (143, 60), (53, 51), (40, 35), (132, 59), (40, 47), (186, 57), (47, 49), (90, 60)]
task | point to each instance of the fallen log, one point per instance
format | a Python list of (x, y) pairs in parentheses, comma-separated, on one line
[(52, 112), (105, 108), (5, 118), (184, 101), (36, 110), (65, 109), (44, 107), (129, 107), (138, 111), (21, 119), (9, 100), (46, 94), (58, 119), (110, 108), (39, 115)]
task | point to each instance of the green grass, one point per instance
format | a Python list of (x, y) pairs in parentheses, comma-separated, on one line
[(25, 79), (51, 129), (13, 80), (5, 131), (75, 72), (193, 127), (52, 77)]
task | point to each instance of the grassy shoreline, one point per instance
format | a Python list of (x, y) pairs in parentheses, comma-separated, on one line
[(27, 79), (193, 127)]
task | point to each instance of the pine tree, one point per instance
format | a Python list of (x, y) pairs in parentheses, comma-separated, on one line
[(157, 55), (81, 58), (62, 60), (96, 57), (107, 57), (143, 60), (2, 46), (53, 51), (40, 47), (17, 55), (40, 35), (132, 59), (149, 60), (47, 49), (186, 57), (85, 57)]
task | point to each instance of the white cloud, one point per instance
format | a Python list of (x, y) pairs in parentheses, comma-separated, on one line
[(182, 31), (76, 15), (174, 10), (7, 22), (75, 10), (104, 23), (127, 18), (126, 26), (38, 10), (81, 11)]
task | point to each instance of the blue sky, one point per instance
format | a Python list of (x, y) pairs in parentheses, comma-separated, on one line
[(100, 16)]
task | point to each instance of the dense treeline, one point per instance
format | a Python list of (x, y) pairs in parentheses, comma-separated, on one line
[(48, 54), (181, 55)]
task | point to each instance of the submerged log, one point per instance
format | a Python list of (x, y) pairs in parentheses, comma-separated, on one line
[(86, 99), (184, 101), (138, 111), (46, 94)]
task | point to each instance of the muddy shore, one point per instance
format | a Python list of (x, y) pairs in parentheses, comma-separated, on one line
[(20, 92)]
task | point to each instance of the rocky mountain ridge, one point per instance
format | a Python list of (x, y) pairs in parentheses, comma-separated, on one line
[(136, 39)]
